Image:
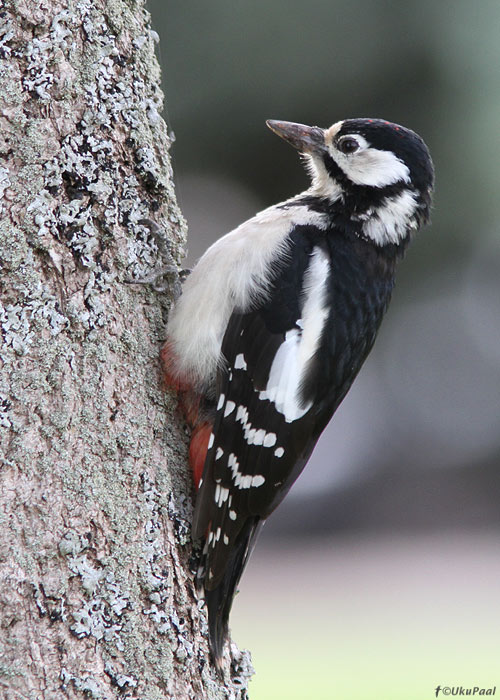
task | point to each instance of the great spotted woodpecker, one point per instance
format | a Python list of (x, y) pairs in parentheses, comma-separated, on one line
[(274, 323)]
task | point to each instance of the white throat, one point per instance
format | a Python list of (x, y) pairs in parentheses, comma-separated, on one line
[(322, 185)]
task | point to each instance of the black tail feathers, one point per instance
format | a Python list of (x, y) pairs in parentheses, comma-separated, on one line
[(220, 598)]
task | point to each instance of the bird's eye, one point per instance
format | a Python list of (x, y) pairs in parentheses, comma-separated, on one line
[(347, 145)]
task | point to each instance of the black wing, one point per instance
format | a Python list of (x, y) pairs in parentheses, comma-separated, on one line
[(259, 447)]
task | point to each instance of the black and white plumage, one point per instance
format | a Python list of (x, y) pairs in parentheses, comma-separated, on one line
[(276, 320)]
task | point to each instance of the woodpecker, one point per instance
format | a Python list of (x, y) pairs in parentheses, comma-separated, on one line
[(274, 323)]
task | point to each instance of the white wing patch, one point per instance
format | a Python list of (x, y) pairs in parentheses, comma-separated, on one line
[(232, 273), (294, 354)]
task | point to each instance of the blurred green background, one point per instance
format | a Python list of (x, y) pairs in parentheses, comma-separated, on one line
[(378, 576)]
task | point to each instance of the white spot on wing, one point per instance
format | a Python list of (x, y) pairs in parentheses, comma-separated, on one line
[(239, 362), (294, 354), (253, 436), (219, 453), (259, 435), (242, 481), (220, 404), (242, 414), (279, 452), (222, 496), (270, 440), (232, 514), (230, 406), (211, 440)]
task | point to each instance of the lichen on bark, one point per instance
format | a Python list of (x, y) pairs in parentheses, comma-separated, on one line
[(96, 596)]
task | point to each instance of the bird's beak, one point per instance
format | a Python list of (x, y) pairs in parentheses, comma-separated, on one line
[(308, 139)]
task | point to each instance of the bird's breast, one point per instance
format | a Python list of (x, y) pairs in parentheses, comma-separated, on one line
[(342, 311)]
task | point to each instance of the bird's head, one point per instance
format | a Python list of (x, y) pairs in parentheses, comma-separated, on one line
[(371, 166)]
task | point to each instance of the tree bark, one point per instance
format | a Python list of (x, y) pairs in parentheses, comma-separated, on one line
[(96, 595)]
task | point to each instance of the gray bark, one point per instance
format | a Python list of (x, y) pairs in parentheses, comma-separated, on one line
[(96, 596)]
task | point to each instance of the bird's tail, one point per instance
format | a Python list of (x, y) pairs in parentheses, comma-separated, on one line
[(220, 598)]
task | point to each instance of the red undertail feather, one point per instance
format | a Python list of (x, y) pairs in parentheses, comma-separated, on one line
[(189, 403)]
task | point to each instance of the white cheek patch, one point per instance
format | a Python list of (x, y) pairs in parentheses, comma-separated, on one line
[(371, 167), (294, 354)]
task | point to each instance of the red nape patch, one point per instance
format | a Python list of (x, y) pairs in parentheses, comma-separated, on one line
[(198, 450)]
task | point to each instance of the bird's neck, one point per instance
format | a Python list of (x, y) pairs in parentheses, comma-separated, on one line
[(385, 216)]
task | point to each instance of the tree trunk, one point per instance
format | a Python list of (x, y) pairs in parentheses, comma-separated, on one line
[(96, 596)]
